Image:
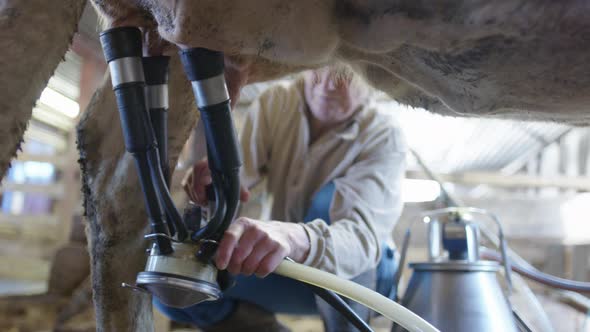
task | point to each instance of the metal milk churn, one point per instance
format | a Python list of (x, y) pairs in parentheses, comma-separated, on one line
[(455, 290)]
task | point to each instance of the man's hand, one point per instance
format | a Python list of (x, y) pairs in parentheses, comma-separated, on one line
[(198, 178), (253, 246)]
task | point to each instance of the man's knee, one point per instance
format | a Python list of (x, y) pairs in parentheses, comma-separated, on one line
[(386, 271)]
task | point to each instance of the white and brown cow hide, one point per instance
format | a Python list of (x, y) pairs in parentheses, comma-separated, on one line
[(525, 59), (519, 58)]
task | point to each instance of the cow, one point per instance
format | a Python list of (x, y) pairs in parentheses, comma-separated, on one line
[(521, 59), (517, 58)]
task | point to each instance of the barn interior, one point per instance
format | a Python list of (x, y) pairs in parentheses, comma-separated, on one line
[(532, 176)]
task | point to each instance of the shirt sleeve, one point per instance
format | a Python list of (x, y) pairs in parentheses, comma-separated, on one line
[(366, 205)]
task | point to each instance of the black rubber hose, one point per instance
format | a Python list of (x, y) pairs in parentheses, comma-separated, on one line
[(152, 203), (215, 222), (337, 303), (164, 194), (138, 134), (122, 49), (342, 307), (201, 63), (232, 198), (224, 159), (205, 69), (159, 120), (223, 149), (163, 185), (155, 69)]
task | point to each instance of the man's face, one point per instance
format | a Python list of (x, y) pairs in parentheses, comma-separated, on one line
[(331, 99)]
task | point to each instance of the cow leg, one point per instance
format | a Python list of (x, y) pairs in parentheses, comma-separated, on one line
[(114, 204), (34, 36)]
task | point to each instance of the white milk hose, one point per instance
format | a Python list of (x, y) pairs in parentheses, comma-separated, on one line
[(356, 292)]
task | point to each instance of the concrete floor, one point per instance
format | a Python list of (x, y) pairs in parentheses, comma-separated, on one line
[(563, 320), (310, 323), (314, 324)]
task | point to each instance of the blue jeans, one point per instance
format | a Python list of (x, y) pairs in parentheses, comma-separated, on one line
[(276, 293)]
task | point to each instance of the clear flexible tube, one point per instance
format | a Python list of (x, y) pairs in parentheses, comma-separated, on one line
[(358, 293)]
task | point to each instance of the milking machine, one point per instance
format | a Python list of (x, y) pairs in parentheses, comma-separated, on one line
[(179, 269), (455, 289)]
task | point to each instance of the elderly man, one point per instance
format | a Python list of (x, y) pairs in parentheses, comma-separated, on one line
[(333, 166)]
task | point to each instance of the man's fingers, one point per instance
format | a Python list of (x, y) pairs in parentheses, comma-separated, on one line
[(251, 246), (269, 263), (245, 247), (187, 185), (201, 169), (244, 194), (201, 179), (228, 243), (200, 189), (205, 180), (195, 181), (262, 248)]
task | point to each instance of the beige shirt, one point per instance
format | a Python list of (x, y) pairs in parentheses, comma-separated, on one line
[(364, 157)]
